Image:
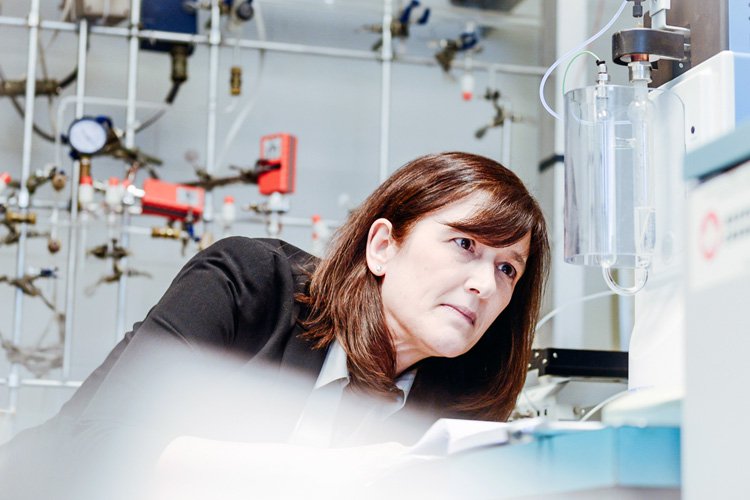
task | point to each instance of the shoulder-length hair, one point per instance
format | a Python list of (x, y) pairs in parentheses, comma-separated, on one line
[(344, 296)]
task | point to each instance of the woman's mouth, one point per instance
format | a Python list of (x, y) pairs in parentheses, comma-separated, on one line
[(465, 312)]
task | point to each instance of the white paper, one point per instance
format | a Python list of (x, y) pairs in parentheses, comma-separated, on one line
[(448, 436)]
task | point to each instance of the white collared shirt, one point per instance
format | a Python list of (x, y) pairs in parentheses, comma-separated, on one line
[(315, 426)]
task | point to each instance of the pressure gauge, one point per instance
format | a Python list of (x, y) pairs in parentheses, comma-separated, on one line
[(88, 135)]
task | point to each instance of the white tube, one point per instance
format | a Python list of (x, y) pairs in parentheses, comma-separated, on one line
[(570, 53), (644, 230), (73, 245), (133, 42), (507, 133), (35, 382), (606, 187), (283, 221), (573, 302), (386, 54), (23, 199), (213, 83), (213, 72), (291, 48), (130, 125)]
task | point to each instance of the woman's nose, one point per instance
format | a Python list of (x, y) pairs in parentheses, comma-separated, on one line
[(481, 280)]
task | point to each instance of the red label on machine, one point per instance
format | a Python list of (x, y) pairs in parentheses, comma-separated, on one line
[(172, 200), (280, 152)]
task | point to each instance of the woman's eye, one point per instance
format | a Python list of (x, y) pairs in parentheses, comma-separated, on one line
[(465, 243), (507, 269)]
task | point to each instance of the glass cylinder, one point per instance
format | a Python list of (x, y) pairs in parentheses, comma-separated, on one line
[(615, 137)]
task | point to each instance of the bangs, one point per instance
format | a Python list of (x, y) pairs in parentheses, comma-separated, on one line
[(501, 223)]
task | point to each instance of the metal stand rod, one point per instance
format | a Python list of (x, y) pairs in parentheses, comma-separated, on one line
[(133, 46), (35, 382), (386, 55), (213, 88), (23, 199), (507, 134), (70, 288), (517, 69)]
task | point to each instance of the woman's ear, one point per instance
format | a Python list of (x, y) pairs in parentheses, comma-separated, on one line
[(380, 246)]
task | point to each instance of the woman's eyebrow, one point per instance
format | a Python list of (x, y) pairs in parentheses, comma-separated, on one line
[(519, 258)]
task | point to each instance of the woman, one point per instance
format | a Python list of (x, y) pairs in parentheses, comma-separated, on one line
[(356, 295), (428, 296)]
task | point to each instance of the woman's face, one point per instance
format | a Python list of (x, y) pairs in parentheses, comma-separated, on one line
[(442, 289)]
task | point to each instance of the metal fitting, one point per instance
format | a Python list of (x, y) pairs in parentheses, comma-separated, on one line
[(602, 76), (166, 232), (20, 218), (640, 71), (235, 80)]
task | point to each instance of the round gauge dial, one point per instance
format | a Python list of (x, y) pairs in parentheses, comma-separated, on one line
[(87, 135)]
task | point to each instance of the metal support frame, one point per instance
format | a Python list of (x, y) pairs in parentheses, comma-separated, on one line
[(290, 48), (386, 56), (33, 23), (133, 42), (72, 231)]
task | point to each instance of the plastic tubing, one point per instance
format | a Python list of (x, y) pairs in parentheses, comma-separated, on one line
[(570, 53), (578, 300)]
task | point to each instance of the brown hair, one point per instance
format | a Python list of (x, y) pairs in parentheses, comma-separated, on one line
[(344, 296)]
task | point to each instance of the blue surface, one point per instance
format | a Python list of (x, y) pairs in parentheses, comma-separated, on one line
[(719, 155), (739, 25), (648, 457), (741, 85), (166, 15), (611, 458)]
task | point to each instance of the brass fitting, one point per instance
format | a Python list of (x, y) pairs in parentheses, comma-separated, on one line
[(85, 162), (58, 181), (235, 81), (166, 232), (15, 88), (20, 218), (53, 245)]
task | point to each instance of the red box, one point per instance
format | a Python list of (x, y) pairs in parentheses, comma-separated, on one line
[(278, 150), (172, 200)]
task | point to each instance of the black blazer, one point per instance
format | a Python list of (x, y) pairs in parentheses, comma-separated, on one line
[(235, 300)]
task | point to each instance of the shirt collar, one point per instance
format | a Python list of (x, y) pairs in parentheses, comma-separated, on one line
[(335, 370), (334, 367)]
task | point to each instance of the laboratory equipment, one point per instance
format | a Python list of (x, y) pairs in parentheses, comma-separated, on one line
[(175, 201), (617, 140), (278, 154), (172, 16), (228, 212), (620, 142), (241, 10), (108, 12), (716, 100), (717, 323), (91, 136), (468, 40), (690, 328), (235, 80), (400, 26), (167, 15), (571, 384), (88, 135)]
